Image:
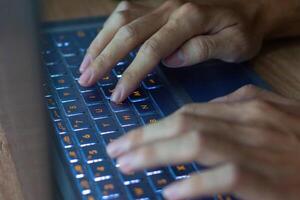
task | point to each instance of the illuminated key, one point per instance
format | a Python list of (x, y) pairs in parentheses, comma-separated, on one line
[(72, 155), (74, 61), (133, 178), (60, 127), (144, 107), (182, 171), (108, 90), (51, 102), (109, 79), (61, 82), (101, 170), (67, 141), (83, 186), (86, 89), (75, 73), (77, 170), (99, 111), (161, 180), (66, 94), (73, 108), (127, 118), (108, 138), (55, 115), (106, 125), (93, 97), (152, 82), (138, 95), (140, 190), (110, 188), (79, 122), (93, 154), (86, 137), (151, 119)]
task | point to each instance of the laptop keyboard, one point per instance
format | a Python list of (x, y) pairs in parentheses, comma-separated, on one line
[(86, 121)]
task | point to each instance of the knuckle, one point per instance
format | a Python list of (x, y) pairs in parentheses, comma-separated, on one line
[(205, 47), (173, 3), (181, 121), (122, 17), (260, 106), (150, 49), (125, 5), (102, 61), (127, 32), (249, 89)]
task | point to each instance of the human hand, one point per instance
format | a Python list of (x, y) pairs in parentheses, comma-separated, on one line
[(251, 139), (180, 33)]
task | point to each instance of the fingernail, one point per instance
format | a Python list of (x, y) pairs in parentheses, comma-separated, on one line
[(174, 60), (116, 95), (87, 60), (126, 163), (85, 77), (170, 192)]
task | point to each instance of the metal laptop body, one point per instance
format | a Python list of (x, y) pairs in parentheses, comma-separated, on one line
[(25, 166)]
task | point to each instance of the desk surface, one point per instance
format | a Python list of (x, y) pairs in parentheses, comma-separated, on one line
[(278, 63)]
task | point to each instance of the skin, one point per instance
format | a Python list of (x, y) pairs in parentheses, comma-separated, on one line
[(250, 138), (182, 33)]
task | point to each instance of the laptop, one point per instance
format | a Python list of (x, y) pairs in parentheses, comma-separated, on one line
[(83, 120)]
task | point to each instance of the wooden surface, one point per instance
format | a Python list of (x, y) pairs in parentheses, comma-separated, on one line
[(278, 63)]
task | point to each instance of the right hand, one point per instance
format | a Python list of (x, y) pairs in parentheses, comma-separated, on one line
[(180, 33)]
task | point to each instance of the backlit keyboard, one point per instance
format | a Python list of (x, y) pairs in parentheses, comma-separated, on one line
[(85, 121)]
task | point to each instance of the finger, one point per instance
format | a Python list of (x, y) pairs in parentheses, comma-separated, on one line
[(119, 17), (178, 124), (125, 40), (177, 30), (203, 147), (228, 178), (196, 50)]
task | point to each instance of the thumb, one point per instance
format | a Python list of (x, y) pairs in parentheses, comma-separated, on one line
[(195, 50)]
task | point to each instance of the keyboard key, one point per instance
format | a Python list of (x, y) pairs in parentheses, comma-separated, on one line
[(77, 170), (127, 118), (61, 82), (60, 127), (151, 119), (83, 39), (118, 107), (182, 171), (144, 107), (51, 58), (99, 111), (75, 73), (108, 90), (73, 108), (108, 138), (93, 154), (83, 186), (130, 128), (66, 94), (50, 102), (92, 97), (109, 79), (109, 189), (138, 95), (132, 178), (74, 61), (72, 155), (161, 180), (86, 137), (141, 190), (152, 82), (79, 122), (101, 170), (66, 141), (106, 125), (120, 68), (55, 115), (86, 89), (89, 197), (57, 70)]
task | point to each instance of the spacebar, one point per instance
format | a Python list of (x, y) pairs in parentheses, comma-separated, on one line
[(164, 100)]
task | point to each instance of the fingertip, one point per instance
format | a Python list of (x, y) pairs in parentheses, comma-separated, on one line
[(174, 60), (87, 60), (84, 79)]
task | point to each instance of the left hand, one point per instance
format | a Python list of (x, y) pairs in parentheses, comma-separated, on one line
[(251, 139)]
